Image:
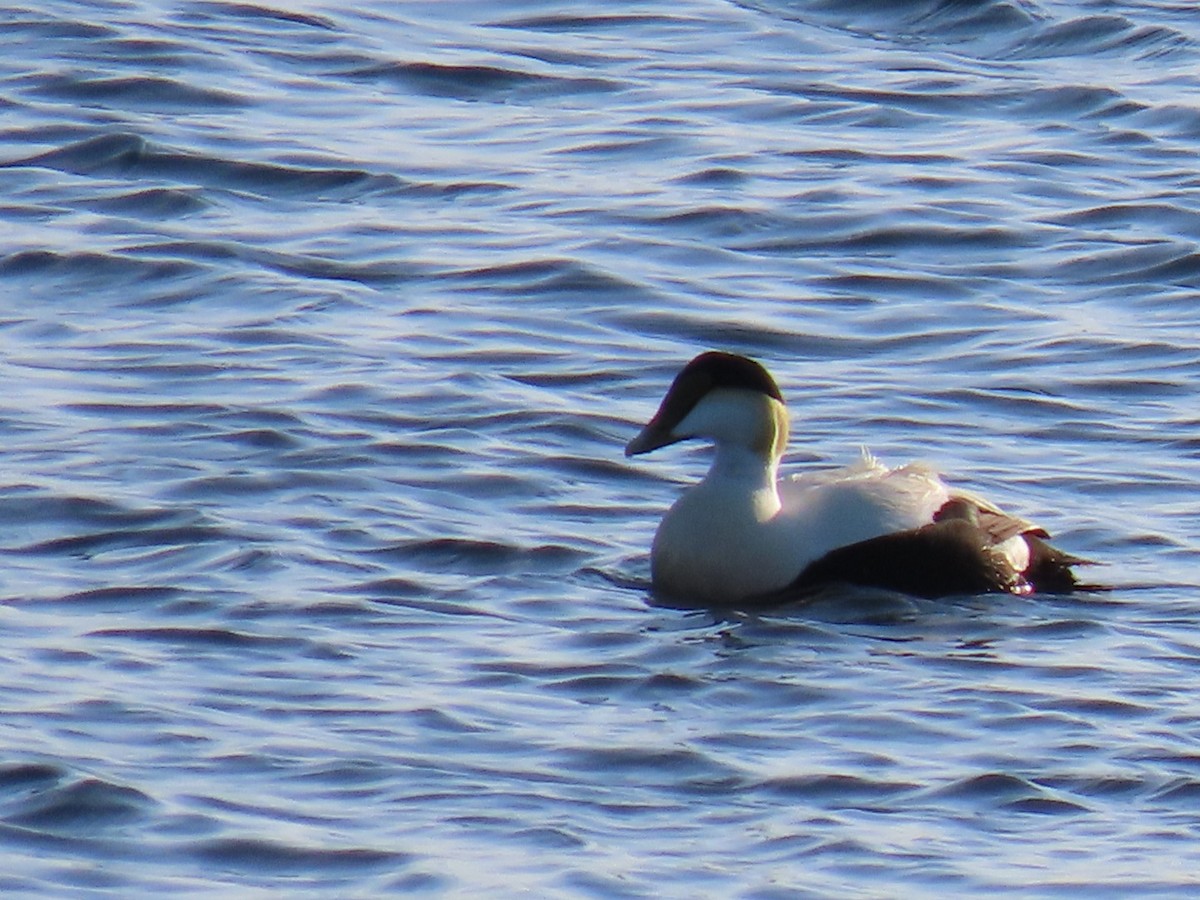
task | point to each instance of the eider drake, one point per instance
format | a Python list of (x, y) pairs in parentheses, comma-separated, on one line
[(743, 534)]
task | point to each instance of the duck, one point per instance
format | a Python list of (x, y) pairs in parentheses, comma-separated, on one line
[(742, 533)]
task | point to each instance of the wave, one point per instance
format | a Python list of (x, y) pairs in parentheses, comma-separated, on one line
[(479, 82), (133, 157), (51, 799), (142, 91), (994, 30)]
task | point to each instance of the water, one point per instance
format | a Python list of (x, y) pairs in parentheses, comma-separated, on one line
[(323, 330)]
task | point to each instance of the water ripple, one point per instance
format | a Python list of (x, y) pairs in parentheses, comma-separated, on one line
[(323, 329), (131, 156), (478, 82), (147, 92)]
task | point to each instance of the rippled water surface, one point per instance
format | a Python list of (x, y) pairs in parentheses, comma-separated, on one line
[(323, 329)]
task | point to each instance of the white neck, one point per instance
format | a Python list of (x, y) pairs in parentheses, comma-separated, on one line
[(735, 463)]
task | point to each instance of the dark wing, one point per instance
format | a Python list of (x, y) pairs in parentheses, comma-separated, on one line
[(995, 522), (948, 557), (1049, 569)]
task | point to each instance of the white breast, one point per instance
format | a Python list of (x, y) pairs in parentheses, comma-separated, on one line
[(725, 539)]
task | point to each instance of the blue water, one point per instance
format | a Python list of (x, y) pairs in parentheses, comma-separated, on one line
[(322, 332)]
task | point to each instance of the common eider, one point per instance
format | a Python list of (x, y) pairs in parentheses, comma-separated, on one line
[(742, 533)]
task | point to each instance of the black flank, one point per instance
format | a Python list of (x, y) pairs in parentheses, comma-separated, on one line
[(953, 556)]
